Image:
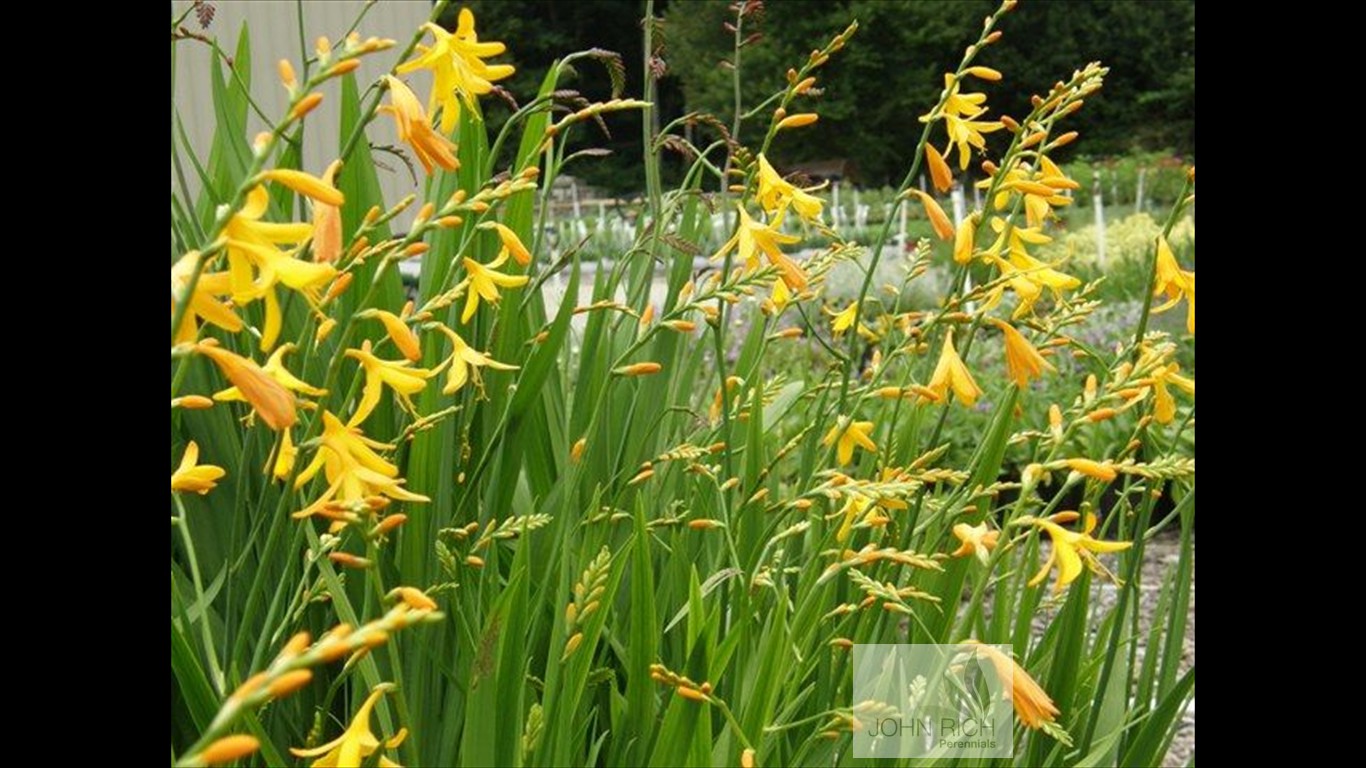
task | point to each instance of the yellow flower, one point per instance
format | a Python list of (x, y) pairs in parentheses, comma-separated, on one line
[(396, 328), (844, 319), (396, 374), (484, 281), (1071, 549), (1023, 361), (977, 540), (354, 471), (415, 130), (950, 372), (203, 305), (780, 296), (1174, 281), (275, 368), (850, 434), (193, 476), (458, 68), (1032, 704), (284, 459), (776, 194), (1026, 275), (754, 237), (465, 362), (256, 265), (1164, 406), (511, 242), (855, 506), (1041, 190), (273, 403), (962, 104), (357, 742), (958, 111)]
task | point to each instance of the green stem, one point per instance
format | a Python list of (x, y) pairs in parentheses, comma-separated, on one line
[(1172, 217), (182, 523)]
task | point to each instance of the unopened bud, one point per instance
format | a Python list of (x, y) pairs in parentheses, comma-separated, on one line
[(638, 369), (572, 645), (388, 524), (1101, 414), (289, 682), (691, 693), (228, 749), (306, 104), (192, 402), (798, 120), (286, 71), (350, 65), (1063, 140), (339, 286), (348, 560)]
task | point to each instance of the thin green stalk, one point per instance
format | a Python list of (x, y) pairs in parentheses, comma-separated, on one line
[(182, 523), (1172, 217)]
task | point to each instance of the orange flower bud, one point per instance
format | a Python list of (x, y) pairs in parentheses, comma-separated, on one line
[(416, 598), (638, 369), (350, 65), (939, 169), (339, 286), (798, 120), (306, 104), (348, 560), (691, 693), (192, 402), (1093, 469), (388, 524), (228, 749), (289, 682)]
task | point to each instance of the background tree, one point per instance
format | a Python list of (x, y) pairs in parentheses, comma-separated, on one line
[(872, 94)]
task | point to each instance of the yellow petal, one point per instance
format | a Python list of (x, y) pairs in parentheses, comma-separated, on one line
[(306, 184), (939, 169), (272, 402)]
